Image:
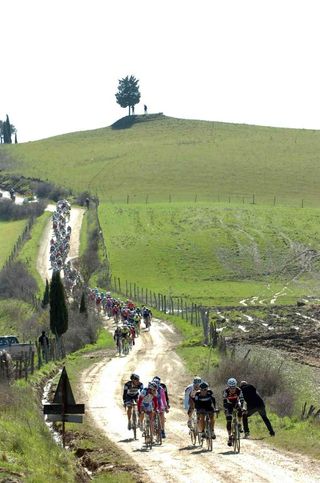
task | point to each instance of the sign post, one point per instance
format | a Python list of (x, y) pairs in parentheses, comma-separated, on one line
[(64, 407)]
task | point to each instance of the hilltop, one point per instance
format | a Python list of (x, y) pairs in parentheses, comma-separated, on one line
[(161, 157)]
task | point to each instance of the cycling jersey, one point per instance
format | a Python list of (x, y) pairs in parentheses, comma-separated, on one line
[(232, 398), (162, 402), (204, 402), (147, 401), (131, 391)]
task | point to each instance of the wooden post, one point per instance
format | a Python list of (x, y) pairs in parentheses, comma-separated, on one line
[(274, 201), (253, 199), (119, 285), (186, 308), (127, 199), (126, 288), (165, 303)]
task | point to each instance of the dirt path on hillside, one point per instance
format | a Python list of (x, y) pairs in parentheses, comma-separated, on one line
[(176, 460), (75, 222)]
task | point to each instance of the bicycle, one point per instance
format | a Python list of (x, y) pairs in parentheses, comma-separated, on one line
[(193, 431), (119, 346), (157, 428), (147, 431), (235, 432), (208, 432)]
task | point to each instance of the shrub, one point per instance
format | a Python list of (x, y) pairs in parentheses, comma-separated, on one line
[(11, 211), (83, 329), (16, 282), (44, 189)]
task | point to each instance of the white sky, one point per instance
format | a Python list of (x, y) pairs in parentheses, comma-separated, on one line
[(246, 61)]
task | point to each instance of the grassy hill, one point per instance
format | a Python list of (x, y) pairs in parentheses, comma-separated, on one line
[(159, 157), (213, 253)]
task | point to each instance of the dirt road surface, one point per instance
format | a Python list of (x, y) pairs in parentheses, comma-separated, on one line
[(75, 222), (176, 460)]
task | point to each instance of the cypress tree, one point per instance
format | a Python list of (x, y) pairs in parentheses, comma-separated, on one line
[(58, 307), (7, 131), (83, 308), (15, 138), (45, 300)]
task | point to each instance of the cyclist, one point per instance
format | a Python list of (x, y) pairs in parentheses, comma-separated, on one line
[(253, 403), (146, 314), (162, 404), (204, 402), (164, 387), (117, 337), (131, 391), (190, 392), (232, 398), (125, 337), (148, 403)]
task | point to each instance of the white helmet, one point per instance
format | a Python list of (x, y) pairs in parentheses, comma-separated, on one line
[(232, 382)]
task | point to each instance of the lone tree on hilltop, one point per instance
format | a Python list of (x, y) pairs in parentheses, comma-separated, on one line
[(58, 307), (128, 94), (45, 300)]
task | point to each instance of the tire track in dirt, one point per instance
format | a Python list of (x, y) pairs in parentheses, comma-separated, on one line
[(176, 460)]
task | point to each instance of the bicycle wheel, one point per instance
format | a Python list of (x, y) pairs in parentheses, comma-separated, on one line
[(208, 434), (159, 432), (236, 436), (134, 422), (147, 433)]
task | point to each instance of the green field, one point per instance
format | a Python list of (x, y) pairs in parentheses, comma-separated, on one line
[(182, 159), (30, 249), (9, 234), (213, 253)]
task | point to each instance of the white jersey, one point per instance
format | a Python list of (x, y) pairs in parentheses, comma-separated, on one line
[(189, 391)]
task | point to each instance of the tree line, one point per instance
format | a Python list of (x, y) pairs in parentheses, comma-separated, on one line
[(7, 130)]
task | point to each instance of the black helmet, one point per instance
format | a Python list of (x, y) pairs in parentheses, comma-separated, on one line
[(204, 385), (134, 376)]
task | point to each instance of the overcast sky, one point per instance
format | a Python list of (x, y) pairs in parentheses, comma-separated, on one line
[(244, 61)]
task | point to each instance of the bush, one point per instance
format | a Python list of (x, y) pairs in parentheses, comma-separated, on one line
[(49, 190), (83, 329), (17, 283), (11, 211), (81, 198)]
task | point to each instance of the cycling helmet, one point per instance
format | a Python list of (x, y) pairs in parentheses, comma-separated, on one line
[(204, 385), (232, 382), (197, 380), (134, 376), (156, 378), (152, 385)]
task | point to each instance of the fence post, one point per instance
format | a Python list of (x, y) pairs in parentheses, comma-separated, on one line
[(119, 285)]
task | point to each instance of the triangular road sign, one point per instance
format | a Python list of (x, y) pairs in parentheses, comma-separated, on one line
[(64, 393)]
